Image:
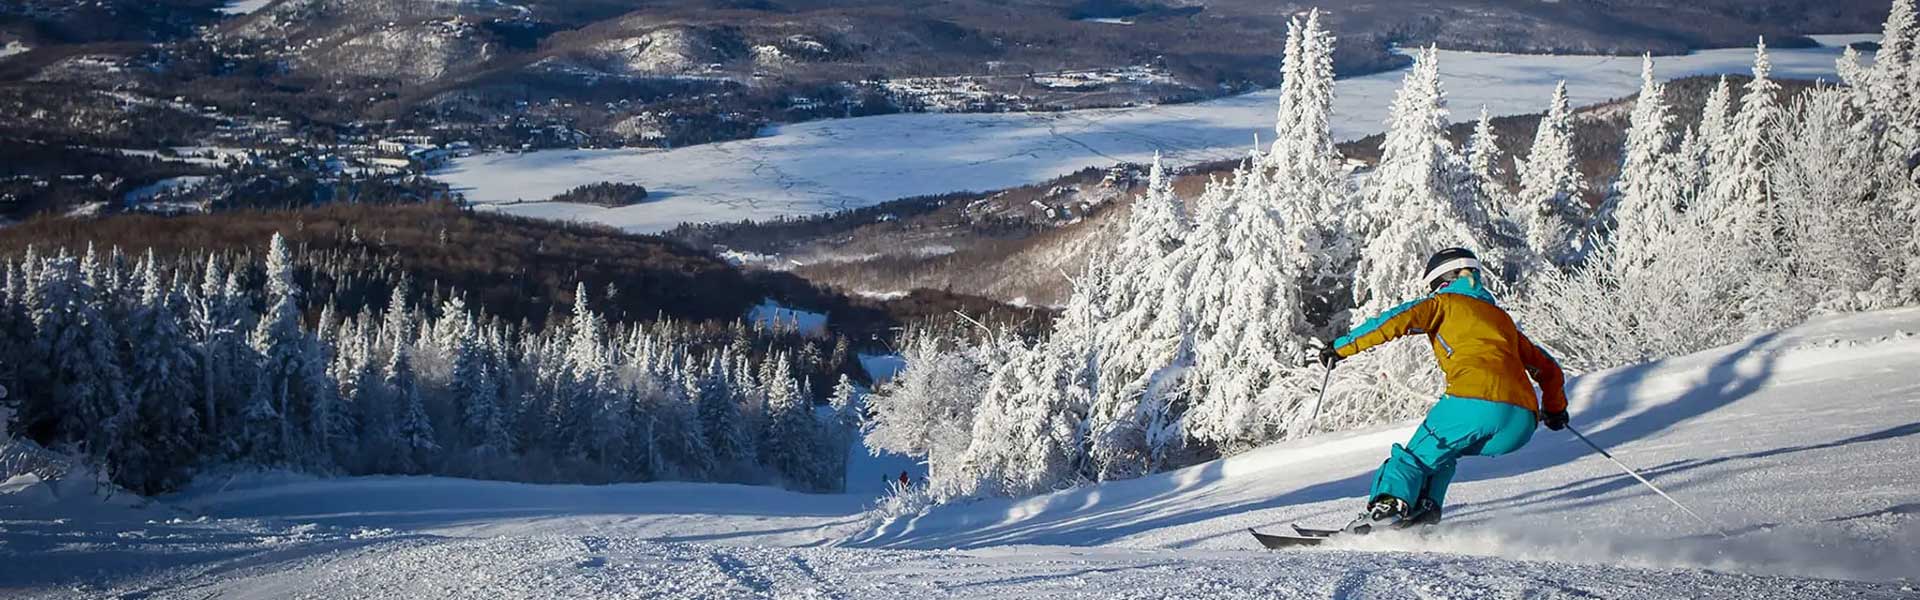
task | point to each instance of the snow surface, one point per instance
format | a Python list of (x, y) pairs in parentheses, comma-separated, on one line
[(772, 314), (244, 7), (882, 367), (1798, 446), (824, 166), (174, 184)]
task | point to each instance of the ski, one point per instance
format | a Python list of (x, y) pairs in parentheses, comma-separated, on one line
[(1312, 532), (1278, 541)]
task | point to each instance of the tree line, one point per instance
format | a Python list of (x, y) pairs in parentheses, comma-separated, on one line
[(156, 371)]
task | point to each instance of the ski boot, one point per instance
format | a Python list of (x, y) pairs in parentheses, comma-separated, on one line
[(1424, 513), (1386, 512)]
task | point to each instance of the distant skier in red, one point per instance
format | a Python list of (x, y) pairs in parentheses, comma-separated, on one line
[(905, 481), (1489, 407)]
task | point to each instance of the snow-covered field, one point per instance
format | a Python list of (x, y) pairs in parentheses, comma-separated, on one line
[(244, 7), (823, 166), (771, 314), (1798, 447)]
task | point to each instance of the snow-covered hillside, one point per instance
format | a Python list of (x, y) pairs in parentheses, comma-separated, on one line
[(823, 166), (1798, 446)]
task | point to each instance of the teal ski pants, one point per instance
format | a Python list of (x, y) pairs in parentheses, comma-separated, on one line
[(1455, 427)]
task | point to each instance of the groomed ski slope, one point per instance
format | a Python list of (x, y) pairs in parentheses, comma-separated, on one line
[(1799, 446)]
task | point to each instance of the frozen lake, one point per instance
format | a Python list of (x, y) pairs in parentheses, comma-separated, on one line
[(824, 166)]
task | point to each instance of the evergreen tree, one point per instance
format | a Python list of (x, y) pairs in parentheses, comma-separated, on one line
[(476, 387), (790, 434), (1641, 207), (398, 329), (291, 366), (1741, 205), (415, 451), (1413, 215), (1408, 204), (1550, 184), (73, 388), (845, 402), (681, 430), (1714, 139), (165, 434), (1483, 160), (1140, 339), (720, 420), (1242, 366)]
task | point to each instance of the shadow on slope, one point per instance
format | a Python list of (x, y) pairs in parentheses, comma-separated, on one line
[(1106, 513), (425, 502)]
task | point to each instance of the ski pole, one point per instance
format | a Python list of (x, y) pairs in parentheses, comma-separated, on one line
[(1643, 480), (1325, 380)]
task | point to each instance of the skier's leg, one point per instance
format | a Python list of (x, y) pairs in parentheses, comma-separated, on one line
[(1498, 427), (1512, 428), (1466, 427), (1442, 438), (1436, 490)]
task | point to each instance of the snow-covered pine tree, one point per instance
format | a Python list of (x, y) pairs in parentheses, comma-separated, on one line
[(289, 362), (1551, 184), (1141, 338), (789, 439), (165, 436), (1412, 216), (1483, 160), (1287, 116), (72, 385), (475, 388), (363, 395), (1311, 189), (417, 446), (927, 410), (845, 402), (1714, 139), (1073, 358), (1887, 94), (1741, 204), (1640, 210), (218, 326), (1243, 367), (398, 328), (682, 435), (727, 437), (1891, 94), (1407, 201)]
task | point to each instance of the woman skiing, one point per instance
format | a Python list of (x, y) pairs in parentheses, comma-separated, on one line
[(1489, 407)]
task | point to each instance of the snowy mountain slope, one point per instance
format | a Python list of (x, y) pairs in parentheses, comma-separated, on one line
[(1797, 445)]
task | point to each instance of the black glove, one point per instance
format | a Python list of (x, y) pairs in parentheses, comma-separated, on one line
[(1555, 420), (1329, 357)]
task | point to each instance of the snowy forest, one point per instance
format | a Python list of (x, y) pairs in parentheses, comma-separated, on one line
[(157, 370), (1187, 340)]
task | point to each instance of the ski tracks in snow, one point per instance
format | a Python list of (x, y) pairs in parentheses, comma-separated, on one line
[(614, 567)]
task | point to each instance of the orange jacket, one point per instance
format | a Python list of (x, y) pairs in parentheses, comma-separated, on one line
[(1482, 352)]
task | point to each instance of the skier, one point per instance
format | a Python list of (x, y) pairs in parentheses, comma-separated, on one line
[(1489, 407)]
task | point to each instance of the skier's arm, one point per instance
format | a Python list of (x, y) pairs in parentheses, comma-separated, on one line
[(1419, 316), (1553, 381)]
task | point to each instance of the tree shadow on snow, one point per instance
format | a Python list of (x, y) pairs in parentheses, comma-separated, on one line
[(1722, 384)]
